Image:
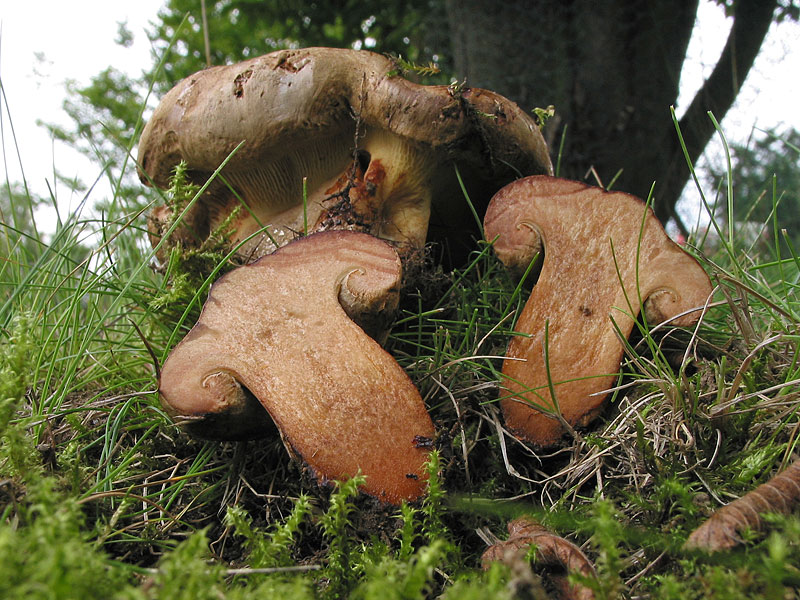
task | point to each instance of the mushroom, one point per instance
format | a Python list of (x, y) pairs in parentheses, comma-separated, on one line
[(605, 255), (376, 150), (279, 334)]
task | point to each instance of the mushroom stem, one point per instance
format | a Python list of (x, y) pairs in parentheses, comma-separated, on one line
[(391, 195)]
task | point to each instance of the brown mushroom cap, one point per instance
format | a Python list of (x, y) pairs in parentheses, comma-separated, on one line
[(301, 113), (278, 330), (604, 254)]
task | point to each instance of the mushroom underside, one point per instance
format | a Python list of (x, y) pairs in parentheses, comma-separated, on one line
[(385, 190), (377, 153)]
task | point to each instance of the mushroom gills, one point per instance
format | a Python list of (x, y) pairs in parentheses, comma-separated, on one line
[(382, 188)]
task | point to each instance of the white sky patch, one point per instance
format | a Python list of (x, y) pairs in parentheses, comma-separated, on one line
[(44, 43), (76, 41), (768, 98)]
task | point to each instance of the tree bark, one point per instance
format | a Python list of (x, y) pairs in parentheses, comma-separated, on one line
[(612, 71)]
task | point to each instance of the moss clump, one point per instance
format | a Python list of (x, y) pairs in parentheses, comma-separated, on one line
[(189, 271)]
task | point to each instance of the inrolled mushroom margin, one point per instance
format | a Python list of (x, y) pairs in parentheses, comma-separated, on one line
[(595, 244), (276, 331)]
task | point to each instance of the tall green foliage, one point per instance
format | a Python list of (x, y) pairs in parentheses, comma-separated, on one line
[(17, 223), (613, 125), (241, 29)]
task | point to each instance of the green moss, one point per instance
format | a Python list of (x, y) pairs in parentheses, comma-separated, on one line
[(45, 552), (188, 269), (274, 549)]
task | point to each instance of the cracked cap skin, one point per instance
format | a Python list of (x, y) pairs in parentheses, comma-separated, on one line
[(325, 114)]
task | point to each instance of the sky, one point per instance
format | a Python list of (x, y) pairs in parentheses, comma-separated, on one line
[(44, 43), (768, 99)]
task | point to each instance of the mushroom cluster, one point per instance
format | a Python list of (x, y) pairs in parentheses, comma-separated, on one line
[(313, 141), (334, 170)]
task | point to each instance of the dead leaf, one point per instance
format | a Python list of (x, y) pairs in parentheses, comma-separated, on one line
[(721, 531), (551, 550)]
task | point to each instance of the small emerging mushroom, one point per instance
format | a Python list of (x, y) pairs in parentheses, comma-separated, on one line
[(605, 255), (377, 151), (279, 334)]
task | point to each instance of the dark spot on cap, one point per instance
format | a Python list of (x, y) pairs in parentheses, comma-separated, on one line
[(239, 81)]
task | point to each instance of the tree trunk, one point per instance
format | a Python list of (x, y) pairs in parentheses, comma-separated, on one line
[(612, 70)]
